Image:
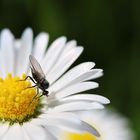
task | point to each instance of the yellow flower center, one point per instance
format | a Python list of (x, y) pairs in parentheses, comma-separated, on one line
[(17, 102), (76, 136)]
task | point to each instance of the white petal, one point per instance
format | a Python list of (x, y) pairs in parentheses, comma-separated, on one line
[(97, 73), (3, 129), (76, 88), (26, 136), (86, 76), (24, 52), (50, 135), (71, 75), (60, 118), (87, 97), (52, 54), (72, 124), (63, 64), (52, 114), (55, 131), (40, 45), (14, 133), (77, 106), (88, 128), (68, 47), (7, 52), (35, 132), (37, 121), (51, 124), (2, 67)]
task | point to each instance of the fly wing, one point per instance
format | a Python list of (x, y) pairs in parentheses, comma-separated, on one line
[(36, 67)]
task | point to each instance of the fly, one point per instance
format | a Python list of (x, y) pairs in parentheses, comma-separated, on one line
[(38, 77)]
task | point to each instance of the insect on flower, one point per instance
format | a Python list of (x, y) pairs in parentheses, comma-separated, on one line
[(38, 77)]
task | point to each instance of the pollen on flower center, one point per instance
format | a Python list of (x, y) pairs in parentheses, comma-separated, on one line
[(16, 100)]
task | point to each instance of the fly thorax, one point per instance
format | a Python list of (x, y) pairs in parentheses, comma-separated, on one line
[(44, 84)]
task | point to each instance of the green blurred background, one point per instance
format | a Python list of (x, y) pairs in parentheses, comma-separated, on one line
[(109, 31)]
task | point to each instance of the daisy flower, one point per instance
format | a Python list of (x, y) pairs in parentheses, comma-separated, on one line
[(25, 118), (110, 125)]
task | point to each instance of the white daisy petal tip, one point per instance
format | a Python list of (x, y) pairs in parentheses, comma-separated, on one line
[(72, 43), (61, 40), (100, 71), (81, 47), (107, 101), (91, 129), (42, 37), (5, 31), (6, 36), (97, 105), (28, 29), (27, 34), (40, 45), (101, 99)]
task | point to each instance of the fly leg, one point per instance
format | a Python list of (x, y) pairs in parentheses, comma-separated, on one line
[(31, 87), (44, 93), (40, 96), (38, 93), (30, 79), (34, 96)]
